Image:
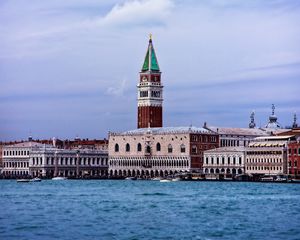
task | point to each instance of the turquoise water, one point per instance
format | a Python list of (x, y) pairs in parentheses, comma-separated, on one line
[(104, 209)]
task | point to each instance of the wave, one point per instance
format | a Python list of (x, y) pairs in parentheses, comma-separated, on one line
[(154, 194)]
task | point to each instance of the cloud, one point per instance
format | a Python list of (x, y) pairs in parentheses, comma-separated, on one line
[(118, 90), (31, 34), (139, 12), (80, 59)]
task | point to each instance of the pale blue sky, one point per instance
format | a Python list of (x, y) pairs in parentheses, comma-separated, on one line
[(70, 68)]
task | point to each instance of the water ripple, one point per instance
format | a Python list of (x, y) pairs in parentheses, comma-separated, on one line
[(147, 210)]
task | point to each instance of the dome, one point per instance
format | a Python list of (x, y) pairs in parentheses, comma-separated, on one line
[(273, 124)]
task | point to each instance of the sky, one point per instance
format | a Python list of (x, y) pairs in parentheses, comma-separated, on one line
[(70, 68)]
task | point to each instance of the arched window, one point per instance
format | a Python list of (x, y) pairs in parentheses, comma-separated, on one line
[(158, 147), (182, 148), (170, 149), (117, 147), (127, 147), (194, 149), (148, 149), (139, 147)]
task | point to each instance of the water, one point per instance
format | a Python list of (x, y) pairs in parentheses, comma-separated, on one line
[(148, 210)]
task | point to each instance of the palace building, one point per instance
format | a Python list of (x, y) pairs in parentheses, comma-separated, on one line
[(154, 152), (151, 149)]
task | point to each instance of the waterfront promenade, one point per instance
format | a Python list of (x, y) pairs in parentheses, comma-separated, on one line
[(148, 210)]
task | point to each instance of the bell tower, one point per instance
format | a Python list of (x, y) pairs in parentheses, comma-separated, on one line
[(150, 91)]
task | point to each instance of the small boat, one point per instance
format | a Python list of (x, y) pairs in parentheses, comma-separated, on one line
[(130, 178), (295, 180), (156, 179), (228, 179), (267, 179), (211, 177), (281, 179), (177, 179), (36, 179), (165, 180), (23, 180), (196, 178), (59, 178)]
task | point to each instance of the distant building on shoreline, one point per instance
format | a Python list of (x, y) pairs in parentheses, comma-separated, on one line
[(268, 155), (53, 162), (227, 161), (48, 158), (16, 158), (293, 150), (153, 152)]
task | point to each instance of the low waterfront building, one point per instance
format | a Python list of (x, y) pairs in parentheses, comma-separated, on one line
[(268, 155), (149, 152), (224, 160), (16, 158), (44, 160), (52, 162)]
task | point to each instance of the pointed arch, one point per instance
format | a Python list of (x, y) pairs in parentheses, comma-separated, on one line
[(127, 148), (182, 148), (117, 147), (194, 149), (158, 147), (148, 149), (139, 147), (170, 148)]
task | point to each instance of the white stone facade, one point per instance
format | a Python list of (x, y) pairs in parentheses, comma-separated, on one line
[(154, 151), (16, 158), (68, 163), (224, 160), (36, 159)]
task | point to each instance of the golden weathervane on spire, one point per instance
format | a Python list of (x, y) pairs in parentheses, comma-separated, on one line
[(150, 36)]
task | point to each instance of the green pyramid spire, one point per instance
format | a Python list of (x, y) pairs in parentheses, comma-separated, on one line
[(150, 62)]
